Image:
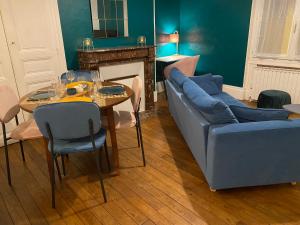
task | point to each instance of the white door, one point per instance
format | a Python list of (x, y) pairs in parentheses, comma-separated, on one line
[(6, 72), (35, 42), (273, 58)]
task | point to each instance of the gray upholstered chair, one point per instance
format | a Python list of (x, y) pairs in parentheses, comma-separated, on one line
[(71, 128)]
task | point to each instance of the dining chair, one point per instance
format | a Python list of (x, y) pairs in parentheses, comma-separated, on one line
[(128, 119), (71, 128), (9, 109), (78, 73)]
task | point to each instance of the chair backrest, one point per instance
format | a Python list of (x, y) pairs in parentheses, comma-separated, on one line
[(187, 66), (78, 73), (9, 104), (68, 120), (137, 87)]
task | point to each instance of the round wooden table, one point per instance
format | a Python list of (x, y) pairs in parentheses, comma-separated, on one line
[(106, 105)]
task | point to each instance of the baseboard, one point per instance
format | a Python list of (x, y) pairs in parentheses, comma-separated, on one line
[(160, 87), (155, 96), (236, 92)]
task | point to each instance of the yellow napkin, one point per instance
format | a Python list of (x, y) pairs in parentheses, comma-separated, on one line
[(76, 99), (74, 84)]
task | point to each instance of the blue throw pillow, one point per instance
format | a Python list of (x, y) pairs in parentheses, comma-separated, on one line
[(246, 114), (213, 110), (207, 83), (177, 77)]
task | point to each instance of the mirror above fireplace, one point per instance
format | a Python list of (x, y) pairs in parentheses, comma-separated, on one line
[(109, 18)]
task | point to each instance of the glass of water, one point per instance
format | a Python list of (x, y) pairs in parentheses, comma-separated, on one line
[(70, 76)]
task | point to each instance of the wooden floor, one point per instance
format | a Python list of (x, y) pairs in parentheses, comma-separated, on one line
[(170, 190)]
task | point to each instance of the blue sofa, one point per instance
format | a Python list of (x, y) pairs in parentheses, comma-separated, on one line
[(236, 154)]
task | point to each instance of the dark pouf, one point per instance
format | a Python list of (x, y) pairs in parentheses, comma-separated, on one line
[(274, 99)]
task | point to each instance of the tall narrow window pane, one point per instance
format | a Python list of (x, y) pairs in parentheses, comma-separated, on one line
[(276, 26)]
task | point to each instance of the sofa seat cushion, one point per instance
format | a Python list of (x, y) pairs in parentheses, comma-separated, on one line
[(207, 83), (177, 78), (245, 114), (228, 99), (212, 109)]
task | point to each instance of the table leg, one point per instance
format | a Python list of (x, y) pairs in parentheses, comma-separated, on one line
[(113, 137)]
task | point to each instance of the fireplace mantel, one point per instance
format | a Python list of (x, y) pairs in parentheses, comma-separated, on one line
[(93, 59)]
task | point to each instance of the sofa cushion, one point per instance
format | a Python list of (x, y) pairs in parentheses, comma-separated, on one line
[(187, 66), (228, 99), (207, 83), (245, 114), (213, 110), (177, 78)]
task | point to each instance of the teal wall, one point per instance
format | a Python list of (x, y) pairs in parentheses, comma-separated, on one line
[(167, 21), (218, 31), (76, 24)]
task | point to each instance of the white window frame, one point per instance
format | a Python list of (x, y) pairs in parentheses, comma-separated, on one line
[(291, 54)]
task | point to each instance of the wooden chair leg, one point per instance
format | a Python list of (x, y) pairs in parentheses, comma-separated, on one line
[(6, 154), (100, 175), (141, 140), (107, 156), (52, 178), (22, 150), (63, 164)]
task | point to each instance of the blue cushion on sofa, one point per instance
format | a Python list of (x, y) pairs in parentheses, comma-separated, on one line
[(213, 110), (228, 99), (207, 83), (177, 77), (245, 114)]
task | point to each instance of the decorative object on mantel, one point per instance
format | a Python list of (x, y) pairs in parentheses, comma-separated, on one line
[(141, 40), (87, 44), (92, 60)]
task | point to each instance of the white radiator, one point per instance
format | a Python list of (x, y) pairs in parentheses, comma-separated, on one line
[(273, 77)]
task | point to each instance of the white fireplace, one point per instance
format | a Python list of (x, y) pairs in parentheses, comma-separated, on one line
[(121, 72)]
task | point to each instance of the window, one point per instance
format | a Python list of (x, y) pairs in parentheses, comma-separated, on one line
[(278, 35), (109, 18)]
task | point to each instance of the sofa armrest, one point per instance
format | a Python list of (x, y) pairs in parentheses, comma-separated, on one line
[(250, 154), (218, 79)]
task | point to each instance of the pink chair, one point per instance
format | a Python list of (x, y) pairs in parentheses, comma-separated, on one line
[(9, 109), (127, 119)]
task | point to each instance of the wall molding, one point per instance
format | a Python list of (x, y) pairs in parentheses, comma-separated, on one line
[(236, 92)]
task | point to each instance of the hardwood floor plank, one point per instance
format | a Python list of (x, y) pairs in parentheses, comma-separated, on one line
[(119, 214), (4, 214), (104, 216), (132, 211)]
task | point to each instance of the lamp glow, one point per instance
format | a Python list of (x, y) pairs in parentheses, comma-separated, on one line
[(174, 38)]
